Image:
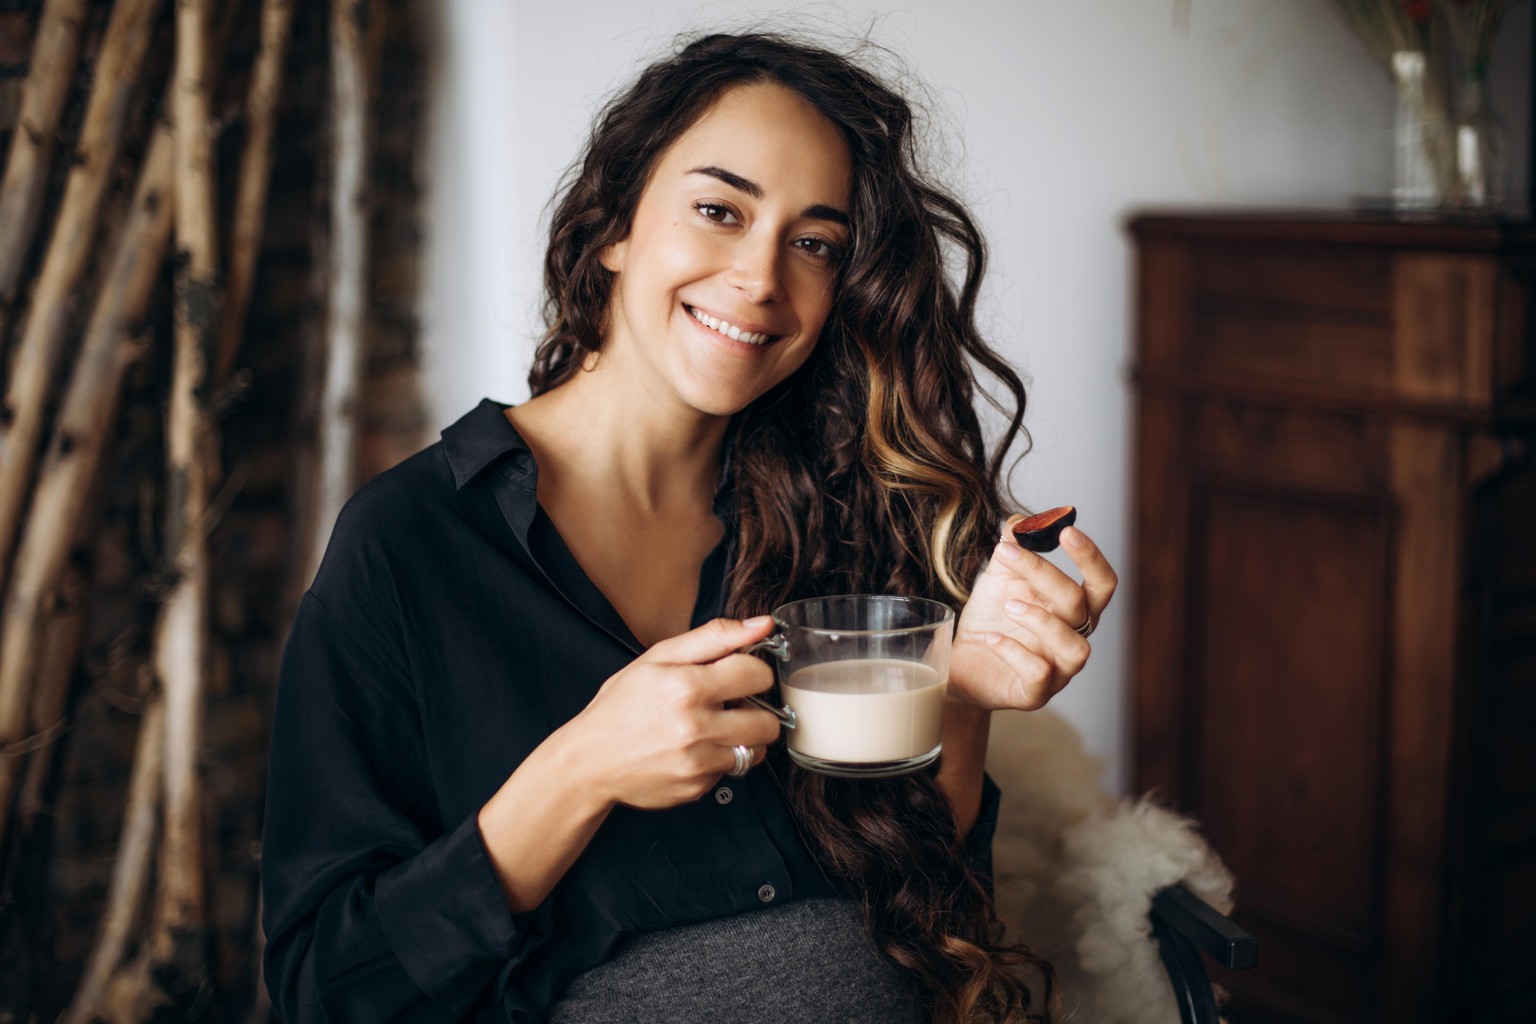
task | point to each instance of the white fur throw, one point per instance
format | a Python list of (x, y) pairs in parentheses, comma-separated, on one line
[(1076, 871)]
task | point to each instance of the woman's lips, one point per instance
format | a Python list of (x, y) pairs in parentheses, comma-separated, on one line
[(727, 329)]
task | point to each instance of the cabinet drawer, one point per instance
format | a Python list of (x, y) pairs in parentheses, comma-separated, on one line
[(1314, 316)]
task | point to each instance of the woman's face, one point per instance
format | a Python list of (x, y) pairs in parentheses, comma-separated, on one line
[(728, 271)]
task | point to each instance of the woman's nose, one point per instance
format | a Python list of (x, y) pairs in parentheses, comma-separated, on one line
[(755, 268)]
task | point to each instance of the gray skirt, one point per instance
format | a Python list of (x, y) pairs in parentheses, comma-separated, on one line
[(804, 961)]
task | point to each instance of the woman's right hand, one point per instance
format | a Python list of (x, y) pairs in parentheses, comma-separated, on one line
[(660, 731)]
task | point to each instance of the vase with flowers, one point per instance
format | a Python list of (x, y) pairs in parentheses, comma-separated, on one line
[(1449, 144), (1478, 132)]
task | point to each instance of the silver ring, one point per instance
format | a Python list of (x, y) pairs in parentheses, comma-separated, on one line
[(1086, 629), (743, 760)]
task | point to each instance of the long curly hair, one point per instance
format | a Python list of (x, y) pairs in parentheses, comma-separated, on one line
[(864, 472)]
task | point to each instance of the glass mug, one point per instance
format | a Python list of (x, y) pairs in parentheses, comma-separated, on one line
[(862, 680)]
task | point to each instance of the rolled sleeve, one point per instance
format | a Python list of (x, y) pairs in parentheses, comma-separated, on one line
[(978, 842), (372, 911), (446, 917)]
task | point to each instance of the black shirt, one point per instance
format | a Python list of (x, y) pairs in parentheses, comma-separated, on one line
[(447, 633)]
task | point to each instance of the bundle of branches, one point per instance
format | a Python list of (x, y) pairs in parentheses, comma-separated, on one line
[(102, 269)]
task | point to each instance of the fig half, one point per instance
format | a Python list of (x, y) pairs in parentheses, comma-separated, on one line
[(1042, 532)]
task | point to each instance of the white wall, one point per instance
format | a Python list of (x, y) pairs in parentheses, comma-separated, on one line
[(1063, 117)]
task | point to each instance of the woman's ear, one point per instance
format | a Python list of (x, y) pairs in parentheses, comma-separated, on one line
[(612, 256)]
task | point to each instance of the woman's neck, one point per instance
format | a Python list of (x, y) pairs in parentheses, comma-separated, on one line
[(644, 455)]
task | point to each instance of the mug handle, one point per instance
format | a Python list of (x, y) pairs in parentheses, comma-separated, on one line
[(778, 646)]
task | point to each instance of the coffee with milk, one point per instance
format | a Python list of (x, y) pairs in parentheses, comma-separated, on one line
[(865, 709)]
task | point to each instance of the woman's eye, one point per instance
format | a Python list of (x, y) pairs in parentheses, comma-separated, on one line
[(820, 248), (716, 212)]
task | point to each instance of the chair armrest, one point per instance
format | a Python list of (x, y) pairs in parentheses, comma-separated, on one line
[(1208, 930)]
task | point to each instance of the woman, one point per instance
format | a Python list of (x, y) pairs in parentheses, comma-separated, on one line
[(505, 777)]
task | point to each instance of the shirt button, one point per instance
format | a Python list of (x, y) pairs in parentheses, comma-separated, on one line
[(766, 893), (723, 795)]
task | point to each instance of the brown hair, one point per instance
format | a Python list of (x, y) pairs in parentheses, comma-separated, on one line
[(865, 471)]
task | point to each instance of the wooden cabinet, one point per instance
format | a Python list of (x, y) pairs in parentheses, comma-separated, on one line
[(1335, 587)]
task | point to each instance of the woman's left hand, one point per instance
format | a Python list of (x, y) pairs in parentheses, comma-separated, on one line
[(1017, 642)]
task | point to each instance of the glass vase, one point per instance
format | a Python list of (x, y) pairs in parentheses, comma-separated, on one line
[(1413, 178), (1418, 135), (1480, 153)]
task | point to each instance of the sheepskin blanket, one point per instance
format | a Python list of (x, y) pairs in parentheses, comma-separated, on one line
[(1076, 871)]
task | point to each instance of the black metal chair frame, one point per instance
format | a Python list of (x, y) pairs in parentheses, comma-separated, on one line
[(1185, 926)]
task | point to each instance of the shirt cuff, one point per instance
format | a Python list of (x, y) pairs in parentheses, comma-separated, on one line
[(445, 915)]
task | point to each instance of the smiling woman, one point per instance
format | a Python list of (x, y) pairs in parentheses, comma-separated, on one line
[(513, 773), (726, 275)]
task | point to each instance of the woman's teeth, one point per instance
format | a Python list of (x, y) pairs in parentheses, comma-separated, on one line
[(729, 330)]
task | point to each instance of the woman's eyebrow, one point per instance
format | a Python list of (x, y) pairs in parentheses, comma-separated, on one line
[(818, 211), (732, 179)]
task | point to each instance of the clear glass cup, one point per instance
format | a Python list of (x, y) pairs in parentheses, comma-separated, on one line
[(862, 681)]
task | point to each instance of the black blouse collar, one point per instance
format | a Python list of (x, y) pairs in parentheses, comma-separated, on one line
[(484, 435), (480, 437)]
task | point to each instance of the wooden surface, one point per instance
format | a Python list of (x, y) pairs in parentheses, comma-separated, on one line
[(1336, 598)]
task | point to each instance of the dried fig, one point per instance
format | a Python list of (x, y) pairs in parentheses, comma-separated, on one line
[(1042, 532)]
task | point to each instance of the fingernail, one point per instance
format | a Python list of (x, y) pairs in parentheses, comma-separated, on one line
[(1073, 537), (757, 621), (1016, 607), (1009, 551), (994, 638)]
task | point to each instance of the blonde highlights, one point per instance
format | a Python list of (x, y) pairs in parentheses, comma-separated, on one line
[(905, 459)]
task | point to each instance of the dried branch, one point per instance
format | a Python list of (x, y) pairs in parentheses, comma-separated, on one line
[(37, 741), (339, 399), (130, 873), (44, 334), (255, 173), (54, 57), (181, 635), (79, 442), (60, 642), (306, 450)]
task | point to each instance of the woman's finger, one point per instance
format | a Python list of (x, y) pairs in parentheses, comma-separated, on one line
[(1099, 579), (733, 677), (1063, 646), (757, 754), (1073, 610), (1053, 588), (1031, 685), (747, 725), (716, 639)]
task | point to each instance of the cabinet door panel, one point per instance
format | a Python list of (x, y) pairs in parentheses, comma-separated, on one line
[(1289, 696), (1319, 451)]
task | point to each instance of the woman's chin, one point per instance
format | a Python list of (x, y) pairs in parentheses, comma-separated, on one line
[(717, 393), (716, 404)]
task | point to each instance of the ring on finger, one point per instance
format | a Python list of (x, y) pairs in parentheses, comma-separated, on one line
[(1086, 629), (743, 763)]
